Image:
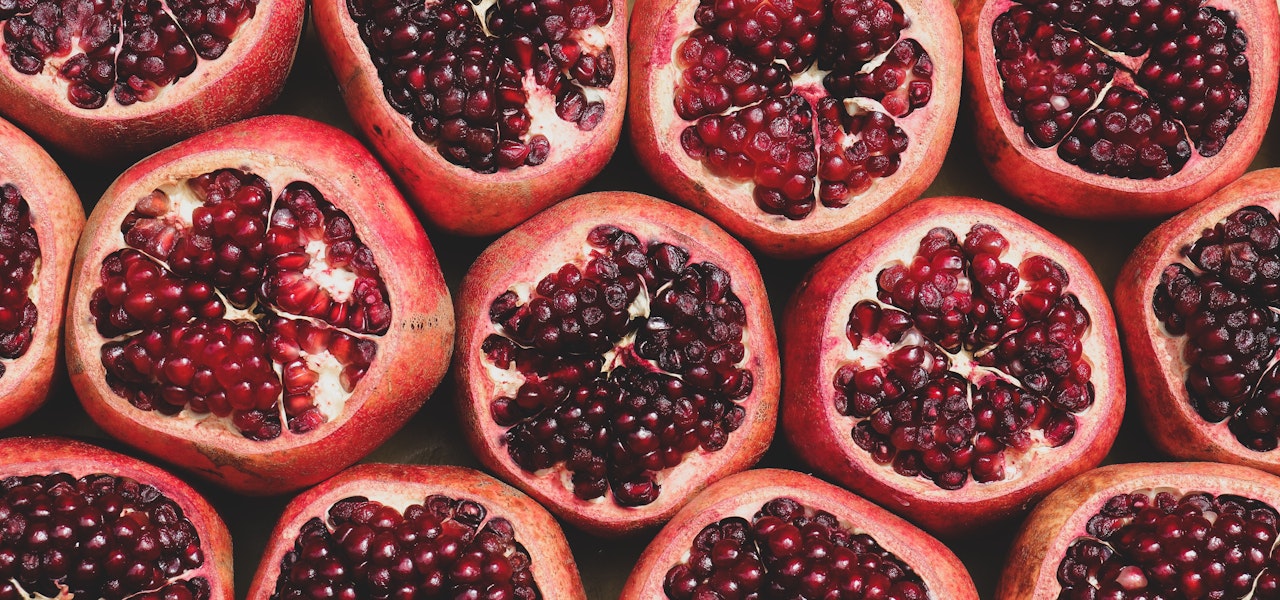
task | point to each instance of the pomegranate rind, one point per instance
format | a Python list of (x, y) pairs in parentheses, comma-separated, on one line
[(1156, 357), (814, 325), (540, 246), (39, 455), (398, 486), (743, 495), (58, 218), (1030, 572), (454, 198), (241, 83), (412, 356), (1041, 179), (659, 26)]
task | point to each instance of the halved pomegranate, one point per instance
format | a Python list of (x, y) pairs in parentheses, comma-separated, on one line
[(771, 533), (257, 304), (1151, 530), (795, 125), (487, 112), (410, 531), (83, 522), (40, 222), (1104, 110), (109, 80), (616, 354), (954, 363), (1197, 301)]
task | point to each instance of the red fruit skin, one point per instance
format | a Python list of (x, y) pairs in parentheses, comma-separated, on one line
[(34, 455), (1155, 357), (412, 356), (1030, 572), (814, 325), (58, 218), (1042, 180), (453, 198), (745, 493), (400, 485), (538, 247), (241, 83), (658, 28)]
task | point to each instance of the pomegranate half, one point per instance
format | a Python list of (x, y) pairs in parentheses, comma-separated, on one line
[(40, 223), (84, 522), (794, 125), (1197, 302), (954, 364), (616, 354), (257, 304), (487, 112), (109, 80), (771, 533), (1119, 110), (411, 531), (1151, 530)]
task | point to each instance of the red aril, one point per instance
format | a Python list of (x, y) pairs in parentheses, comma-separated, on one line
[(1110, 111), (40, 222), (409, 531), (486, 112), (258, 305), (616, 354), (109, 80), (795, 125), (83, 522), (954, 363)]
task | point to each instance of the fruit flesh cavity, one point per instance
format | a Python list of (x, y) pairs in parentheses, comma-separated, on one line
[(19, 267)]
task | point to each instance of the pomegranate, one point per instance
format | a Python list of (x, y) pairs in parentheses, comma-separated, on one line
[(771, 533), (257, 304), (1151, 530), (1197, 301), (83, 522), (40, 222), (616, 354), (1111, 111), (410, 531), (109, 80), (954, 364), (487, 112), (795, 125)]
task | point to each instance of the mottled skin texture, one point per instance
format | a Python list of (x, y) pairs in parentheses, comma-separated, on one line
[(399, 485), (31, 455), (58, 217), (1044, 181), (412, 356), (543, 244), (814, 325)]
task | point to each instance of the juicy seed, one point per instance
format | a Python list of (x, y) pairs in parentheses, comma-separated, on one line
[(99, 536), (615, 398), (916, 408), (788, 550), (441, 548), (19, 254)]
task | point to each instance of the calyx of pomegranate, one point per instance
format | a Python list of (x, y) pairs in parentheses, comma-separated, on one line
[(85, 522), (1185, 530), (1160, 91), (954, 370), (416, 531), (491, 110), (1197, 299), (119, 77), (630, 356), (40, 221), (248, 304), (775, 534), (809, 117)]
